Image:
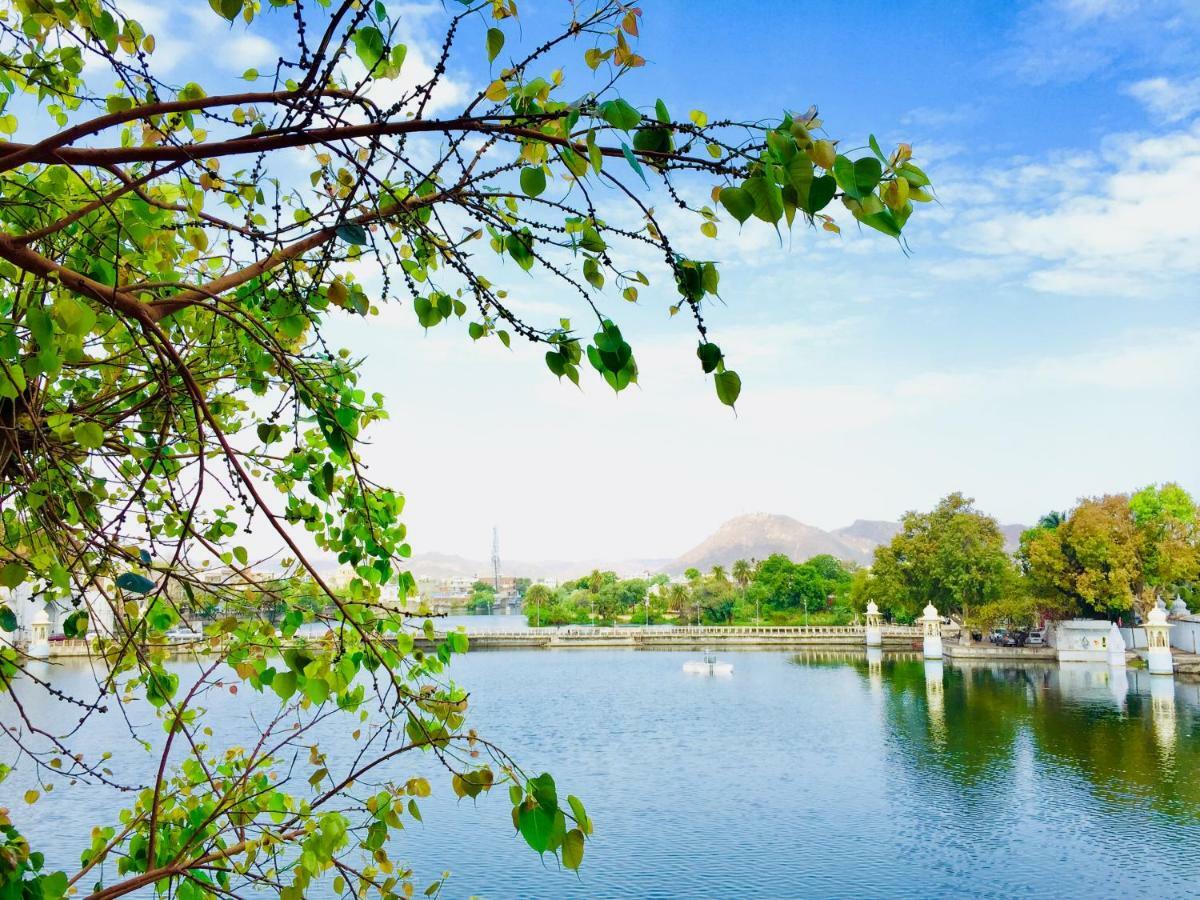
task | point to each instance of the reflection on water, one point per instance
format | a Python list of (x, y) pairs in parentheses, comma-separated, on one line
[(810, 774)]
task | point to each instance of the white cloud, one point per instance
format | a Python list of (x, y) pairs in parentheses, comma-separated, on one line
[(1172, 100), (1070, 40), (1123, 225), (180, 29)]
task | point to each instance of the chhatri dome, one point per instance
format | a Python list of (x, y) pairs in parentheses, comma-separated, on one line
[(872, 608), (931, 611)]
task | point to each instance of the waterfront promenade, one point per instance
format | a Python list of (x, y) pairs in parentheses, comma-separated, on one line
[(899, 637)]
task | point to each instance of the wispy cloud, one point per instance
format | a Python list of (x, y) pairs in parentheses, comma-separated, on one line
[(1057, 41), (1171, 100), (1117, 224)]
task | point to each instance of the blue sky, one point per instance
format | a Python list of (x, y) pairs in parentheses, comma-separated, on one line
[(1040, 343)]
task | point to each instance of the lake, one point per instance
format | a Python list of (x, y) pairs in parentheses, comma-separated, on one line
[(803, 774)]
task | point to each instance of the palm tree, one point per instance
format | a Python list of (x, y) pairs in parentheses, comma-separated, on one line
[(537, 594), (677, 597), (1052, 520), (718, 573), (742, 573)]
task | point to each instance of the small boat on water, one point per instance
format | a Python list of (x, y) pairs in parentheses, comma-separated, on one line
[(709, 665)]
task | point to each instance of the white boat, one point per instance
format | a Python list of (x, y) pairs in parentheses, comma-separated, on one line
[(708, 666)]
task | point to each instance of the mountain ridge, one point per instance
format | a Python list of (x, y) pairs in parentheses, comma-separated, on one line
[(748, 536)]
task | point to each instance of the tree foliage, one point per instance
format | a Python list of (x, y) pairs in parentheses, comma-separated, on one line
[(166, 383), (1115, 554), (952, 556)]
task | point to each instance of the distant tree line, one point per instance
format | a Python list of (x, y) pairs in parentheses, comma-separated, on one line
[(1108, 557), (775, 590)]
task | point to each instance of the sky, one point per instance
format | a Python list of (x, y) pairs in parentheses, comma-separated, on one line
[(1039, 342)]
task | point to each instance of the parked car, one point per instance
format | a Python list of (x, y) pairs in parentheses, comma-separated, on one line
[(1014, 639), (183, 635), (1036, 639), (997, 636)]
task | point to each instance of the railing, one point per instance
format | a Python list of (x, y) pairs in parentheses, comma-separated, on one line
[(691, 631)]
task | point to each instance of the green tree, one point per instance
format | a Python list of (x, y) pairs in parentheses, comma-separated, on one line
[(483, 597), (1113, 554), (1167, 519), (1090, 563), (536, 597), (952, 557), (678, 598), (167, 379), (742, 572)]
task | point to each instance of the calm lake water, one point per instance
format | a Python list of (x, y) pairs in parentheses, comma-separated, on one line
[(801, 775)]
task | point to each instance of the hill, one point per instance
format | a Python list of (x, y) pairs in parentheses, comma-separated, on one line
[(758, 535)]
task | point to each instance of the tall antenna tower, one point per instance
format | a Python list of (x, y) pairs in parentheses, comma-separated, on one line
[(496, 558)]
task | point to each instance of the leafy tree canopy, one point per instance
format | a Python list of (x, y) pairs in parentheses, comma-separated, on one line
[(1114, 554), (166, 383), (952, 556)]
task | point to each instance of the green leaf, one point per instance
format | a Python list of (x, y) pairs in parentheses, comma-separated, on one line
[(317, 690), (369, 45), (653, 140), (620, 114), (857, 179), (72, 316), (876, 150), (882, 221), (710, 355), (572, 849), (284, 684), (867, 172), (536, 826), (53, 886), (8, 619), (738, 202), (230, 9), (819, 194), (768, 199), (89, 435), (729, 386), (913, 175), (843, 173), (519, 245), (137, 584), (76, 625), (581, 816), (495, 43), (633, 163), (533, 180), (544, 792), (12, 574), (351, 233)]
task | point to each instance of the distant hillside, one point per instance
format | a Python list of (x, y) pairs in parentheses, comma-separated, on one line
[(753, 536), (758, 535), (867, 534)]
